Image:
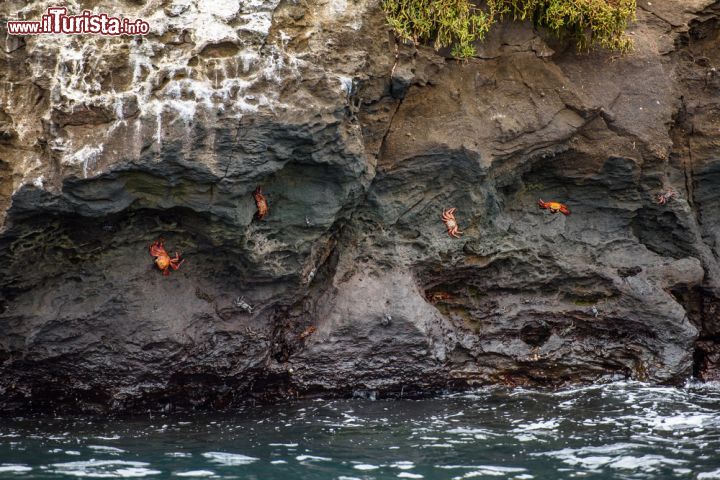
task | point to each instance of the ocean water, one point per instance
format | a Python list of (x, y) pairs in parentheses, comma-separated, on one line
[(614, 431)]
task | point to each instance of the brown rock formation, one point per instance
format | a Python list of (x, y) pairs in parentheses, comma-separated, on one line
[(358, 143)]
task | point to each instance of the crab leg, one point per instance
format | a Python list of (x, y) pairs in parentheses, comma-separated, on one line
[(175, 265)]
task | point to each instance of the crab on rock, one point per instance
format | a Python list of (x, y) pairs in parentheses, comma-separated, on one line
[(666, 196), (448, 217), (162, 259), (262, 206), (554, 207)]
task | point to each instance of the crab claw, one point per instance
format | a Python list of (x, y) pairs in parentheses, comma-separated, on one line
[(156, 248), (448, 214)]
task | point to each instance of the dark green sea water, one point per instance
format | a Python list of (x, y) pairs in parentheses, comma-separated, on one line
[(620, 430)]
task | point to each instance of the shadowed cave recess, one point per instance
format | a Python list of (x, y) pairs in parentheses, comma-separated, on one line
[(351, 284)]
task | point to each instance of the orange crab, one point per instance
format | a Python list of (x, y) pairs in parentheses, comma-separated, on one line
[(435, 297), (307, 332), (448, 217), (554, 207), (162, 259), (262, 206)]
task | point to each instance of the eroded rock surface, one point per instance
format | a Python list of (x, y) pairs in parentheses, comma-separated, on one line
[(351, 284)]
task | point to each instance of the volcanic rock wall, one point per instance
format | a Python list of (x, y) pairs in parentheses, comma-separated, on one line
[(351, 285)]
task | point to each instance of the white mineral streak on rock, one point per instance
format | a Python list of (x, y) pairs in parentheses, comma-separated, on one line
[(86, 157), (225, 9), (202, 59), (163, 86)]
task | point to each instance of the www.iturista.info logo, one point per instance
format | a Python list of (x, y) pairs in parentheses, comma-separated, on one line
[(56, 20)]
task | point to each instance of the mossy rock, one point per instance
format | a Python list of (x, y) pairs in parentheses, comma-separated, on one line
[(589, 23)]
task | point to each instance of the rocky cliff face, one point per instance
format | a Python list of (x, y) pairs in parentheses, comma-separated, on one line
[(351, 285)]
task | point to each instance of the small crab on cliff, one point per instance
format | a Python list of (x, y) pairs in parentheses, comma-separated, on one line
[(665, 196), (240, 303), (262, 206), (435, 297), (162, 259), (554, 207), (307, 332), (448, 217)]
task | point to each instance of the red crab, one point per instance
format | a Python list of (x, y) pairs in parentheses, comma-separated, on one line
[(262, 206), (307, 332), (435, 297), (162, 259), (448, 217), (554, 207), (665, 196)]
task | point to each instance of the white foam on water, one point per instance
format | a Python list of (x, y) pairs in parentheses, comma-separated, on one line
[(105, 469), (403, 465), (13, 468), (612, 448), (594, 458), (312, 458), (592, 462), (646, 463), (409, 475), (365, 467), (478, 433), (105, 449), (538, 426), (681, 422), (278, 462), (489, 468), (195, 473), (229, 459), (709, 475), (134, 472), (178, 454), (289, 445)]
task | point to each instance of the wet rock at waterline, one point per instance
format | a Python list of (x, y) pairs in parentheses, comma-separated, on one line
[(358, 143)]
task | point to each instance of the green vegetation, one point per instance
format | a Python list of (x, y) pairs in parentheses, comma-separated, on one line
[(589, 23)]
